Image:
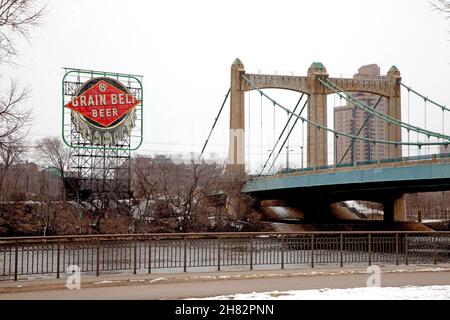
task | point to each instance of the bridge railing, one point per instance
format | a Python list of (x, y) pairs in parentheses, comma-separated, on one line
[(24, 258), (427, 157)]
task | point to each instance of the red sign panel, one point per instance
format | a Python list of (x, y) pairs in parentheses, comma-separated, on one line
[(103, 103)]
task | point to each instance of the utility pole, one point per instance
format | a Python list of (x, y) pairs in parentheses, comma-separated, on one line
[(287, 157), (301, 148), (335, 150)]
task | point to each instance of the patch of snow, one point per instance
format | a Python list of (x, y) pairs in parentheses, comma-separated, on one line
[(158, 280), (362, 208), (433, 220), (103, 282), (368, 293), (281, 212), (32, 202), (422, 270)]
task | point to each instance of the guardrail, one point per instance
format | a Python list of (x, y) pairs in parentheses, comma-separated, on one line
[(410, 159), (25, 257)]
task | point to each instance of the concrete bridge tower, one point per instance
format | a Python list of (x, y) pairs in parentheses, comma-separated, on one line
[(236, 151), (317, 154), (395, 111), (317, 146)]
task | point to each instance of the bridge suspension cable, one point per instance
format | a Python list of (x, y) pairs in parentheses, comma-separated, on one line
[(287, 137), (409, 121), (425, 122), (215, 122), (319, 126), (261, 131), (444, 108), (426, 99), (329, 84), (249, 133), (274, 127), (282, 133)]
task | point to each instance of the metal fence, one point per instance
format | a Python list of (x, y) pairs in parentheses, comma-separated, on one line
[(27, 257)]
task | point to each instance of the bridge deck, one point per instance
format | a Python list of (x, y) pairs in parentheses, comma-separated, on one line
[(434, 171)]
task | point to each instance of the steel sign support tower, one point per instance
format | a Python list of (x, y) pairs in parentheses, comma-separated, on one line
[(99, 169)]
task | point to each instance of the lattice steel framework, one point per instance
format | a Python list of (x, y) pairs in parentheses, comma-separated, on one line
[(96, 171)]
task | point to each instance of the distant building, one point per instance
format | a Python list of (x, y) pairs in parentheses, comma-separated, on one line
[(145, 170), (27, 178), (350, 119)]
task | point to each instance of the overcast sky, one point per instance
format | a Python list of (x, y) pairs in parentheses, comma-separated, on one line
[(184, 50)]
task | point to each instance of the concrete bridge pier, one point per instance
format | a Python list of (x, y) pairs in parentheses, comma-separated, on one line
[(395, 209), (235, 206), (315, 206)]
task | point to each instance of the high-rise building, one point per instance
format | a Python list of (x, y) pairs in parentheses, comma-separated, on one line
[(350, 119)]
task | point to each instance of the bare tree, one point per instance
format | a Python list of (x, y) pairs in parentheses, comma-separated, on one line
[(179, 186), (18, 18), (46, 214), (170, 194), (144, 189), (10, 153), (187, 197), (441, 6), (14, 121), (53, 151)]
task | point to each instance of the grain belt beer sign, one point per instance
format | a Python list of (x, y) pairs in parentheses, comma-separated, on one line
[(103, 111)]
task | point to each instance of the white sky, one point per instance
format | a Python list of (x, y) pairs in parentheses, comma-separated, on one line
[(185, 50)]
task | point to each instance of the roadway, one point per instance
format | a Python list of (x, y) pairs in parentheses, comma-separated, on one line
[(256, 281)]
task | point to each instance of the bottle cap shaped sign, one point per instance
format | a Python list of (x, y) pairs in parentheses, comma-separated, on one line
[(103, 111)]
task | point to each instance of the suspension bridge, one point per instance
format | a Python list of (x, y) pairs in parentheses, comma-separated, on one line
[(321, 183)]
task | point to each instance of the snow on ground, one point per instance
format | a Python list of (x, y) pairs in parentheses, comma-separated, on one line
[(433, 220), (368, 293), (362, 208), (281, 212)]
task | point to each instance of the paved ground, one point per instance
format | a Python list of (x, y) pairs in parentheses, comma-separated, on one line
[(180, 286)]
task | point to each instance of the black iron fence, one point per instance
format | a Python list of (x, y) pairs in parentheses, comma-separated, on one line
[(27, 257)]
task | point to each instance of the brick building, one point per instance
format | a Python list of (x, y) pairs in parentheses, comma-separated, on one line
[(349, 119)]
